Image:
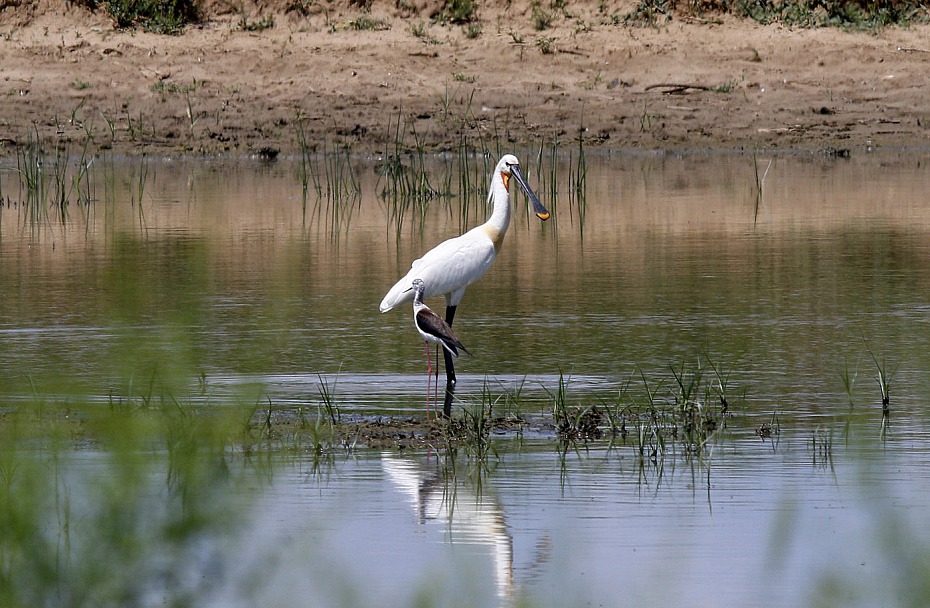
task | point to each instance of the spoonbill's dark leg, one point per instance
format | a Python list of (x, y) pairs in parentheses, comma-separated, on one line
[(450, 369)]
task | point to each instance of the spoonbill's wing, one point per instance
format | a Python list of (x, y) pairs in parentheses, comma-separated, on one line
[(447, 268)]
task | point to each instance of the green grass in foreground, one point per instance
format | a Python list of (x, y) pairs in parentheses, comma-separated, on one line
[(97, 507)]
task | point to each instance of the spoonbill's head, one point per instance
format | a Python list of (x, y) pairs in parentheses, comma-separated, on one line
[(509, 167)]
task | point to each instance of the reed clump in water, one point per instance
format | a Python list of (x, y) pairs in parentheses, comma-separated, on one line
[(50, 183), (570, 188), (407, 179), (681, 410), (573, 422), (330, 175)]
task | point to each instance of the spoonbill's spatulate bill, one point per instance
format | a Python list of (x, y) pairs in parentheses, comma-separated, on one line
[(451, 266)]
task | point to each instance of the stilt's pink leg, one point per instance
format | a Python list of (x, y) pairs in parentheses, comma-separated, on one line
[(429, 375), (436, 383)]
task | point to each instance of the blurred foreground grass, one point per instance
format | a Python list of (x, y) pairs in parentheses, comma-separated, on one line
[(115, 505)]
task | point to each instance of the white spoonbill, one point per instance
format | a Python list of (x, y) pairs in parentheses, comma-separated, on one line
[(433, 329), (451, 266)]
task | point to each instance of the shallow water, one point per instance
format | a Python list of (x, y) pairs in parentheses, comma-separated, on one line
[(225, 272), (752, 527)]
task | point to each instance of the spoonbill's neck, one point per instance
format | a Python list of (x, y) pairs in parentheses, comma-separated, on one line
[(499, 221)]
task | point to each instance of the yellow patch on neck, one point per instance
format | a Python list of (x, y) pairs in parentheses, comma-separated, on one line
[(496, 236), (506, 178)]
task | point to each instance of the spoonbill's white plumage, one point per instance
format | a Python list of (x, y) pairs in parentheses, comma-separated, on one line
[(451, 266)]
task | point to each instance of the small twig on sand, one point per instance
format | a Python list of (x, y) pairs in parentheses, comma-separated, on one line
[(676, 88)]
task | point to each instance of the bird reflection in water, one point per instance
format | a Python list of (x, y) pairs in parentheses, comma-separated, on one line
[(471, 517)]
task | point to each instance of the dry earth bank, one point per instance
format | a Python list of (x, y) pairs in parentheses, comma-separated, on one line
[(234, 85)]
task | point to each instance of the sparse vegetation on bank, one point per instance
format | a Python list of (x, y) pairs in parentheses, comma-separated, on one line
[(158, 16), (590, 71), (172, 16)]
